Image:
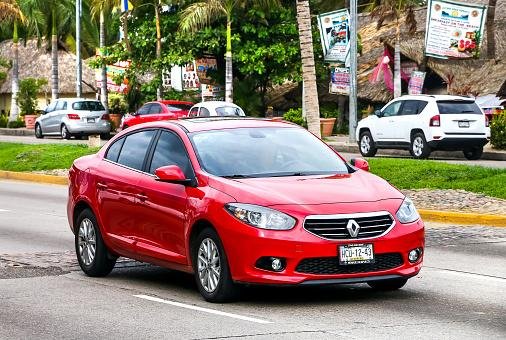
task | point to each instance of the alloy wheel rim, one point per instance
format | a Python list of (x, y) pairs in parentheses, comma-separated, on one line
[(209, 266), (37, 130), (365, 144), (87, 241), (64, 131), (418, 146)]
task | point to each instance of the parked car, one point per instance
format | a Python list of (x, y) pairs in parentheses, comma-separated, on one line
[(157, 110), (216, 108), (67, 117), (239, 201), (424, 123)]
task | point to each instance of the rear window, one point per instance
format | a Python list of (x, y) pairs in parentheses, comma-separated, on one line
[(229, 111), (456, 107), (88, 106), (178, 107)]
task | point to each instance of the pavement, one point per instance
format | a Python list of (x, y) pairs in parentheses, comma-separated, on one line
[(45, 295)]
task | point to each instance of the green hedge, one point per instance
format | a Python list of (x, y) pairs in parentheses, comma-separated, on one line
[(498, 131)]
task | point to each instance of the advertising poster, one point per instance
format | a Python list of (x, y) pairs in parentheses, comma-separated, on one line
[(212, 92), (113, 72), (335, 35), (454, 29), (340, 80), (415, 85), (203, 65), (190, 78)]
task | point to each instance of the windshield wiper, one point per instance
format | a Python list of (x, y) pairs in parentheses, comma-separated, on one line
[(237, 176)]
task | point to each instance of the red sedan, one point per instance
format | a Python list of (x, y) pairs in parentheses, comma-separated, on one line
[(158, 110), (239, 201)]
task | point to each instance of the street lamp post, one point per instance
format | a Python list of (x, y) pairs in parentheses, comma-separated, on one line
[(78, 50), (353, 71)]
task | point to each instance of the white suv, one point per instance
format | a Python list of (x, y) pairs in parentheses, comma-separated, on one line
[(424, 123)]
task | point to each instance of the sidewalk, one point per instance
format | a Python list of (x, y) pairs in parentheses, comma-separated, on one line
[(342, 144)]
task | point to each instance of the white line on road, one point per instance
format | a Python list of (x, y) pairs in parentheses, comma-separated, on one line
[(469, 274), (201, 309), (3, 210)]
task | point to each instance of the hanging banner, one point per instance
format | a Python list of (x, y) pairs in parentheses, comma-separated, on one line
[(340, 80), (454, 29), (207, 63), (415, 85), (114, 72), (190, 78), (335, 35)]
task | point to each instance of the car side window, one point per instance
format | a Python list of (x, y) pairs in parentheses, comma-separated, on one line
[(204, 112), (392, 109), (144, 110), (114, 149), (193, 112), (421, 105), (410, 108), (134, 149), (59, 105), (155, 108), (170, 150), (50, 107)]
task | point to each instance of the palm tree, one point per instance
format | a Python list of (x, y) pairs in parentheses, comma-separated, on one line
[(310, 92), (491, 29), (389, 10), (202, 13)]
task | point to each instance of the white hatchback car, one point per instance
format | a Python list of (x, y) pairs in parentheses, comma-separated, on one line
[(424, 123), (215, 108)]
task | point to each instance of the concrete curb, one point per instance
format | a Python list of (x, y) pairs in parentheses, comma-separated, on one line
[(17, 132), (427, 215)]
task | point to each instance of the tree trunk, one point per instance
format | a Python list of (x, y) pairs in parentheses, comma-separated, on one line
[(103, 87), (397, 64), (229, 77), (54, 59), (310, 92), (341, 106), (15, 74), (159, 90), (124, 25), (491, 29)]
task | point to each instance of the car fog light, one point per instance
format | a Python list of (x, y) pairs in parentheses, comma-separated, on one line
[(414, 255), (276, 264), (270, 263)]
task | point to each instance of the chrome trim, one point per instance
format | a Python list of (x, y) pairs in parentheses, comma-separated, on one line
[(349, 216)]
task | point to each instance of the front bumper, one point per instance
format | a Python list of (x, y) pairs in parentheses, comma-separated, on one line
[(245, 245)]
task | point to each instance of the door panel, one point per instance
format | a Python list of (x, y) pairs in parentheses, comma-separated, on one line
[(386, 124)]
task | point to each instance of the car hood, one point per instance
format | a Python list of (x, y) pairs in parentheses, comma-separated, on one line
[(359, 186)]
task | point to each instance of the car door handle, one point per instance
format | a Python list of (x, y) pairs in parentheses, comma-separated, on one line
[(101, 186), (141, 197)]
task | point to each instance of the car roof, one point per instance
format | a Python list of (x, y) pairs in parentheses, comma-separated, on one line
[(212, 104), (218, 123), (170, 101), (434, 97), (78, 99)]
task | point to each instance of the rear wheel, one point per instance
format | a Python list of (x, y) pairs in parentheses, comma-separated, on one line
[(65, 134), (38, 131), (92, 254), (211, 268), (385, 285), (419, 148), (473, 153), (367, 145)]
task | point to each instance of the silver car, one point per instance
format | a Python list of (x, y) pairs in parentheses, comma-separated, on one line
[(67, 117)]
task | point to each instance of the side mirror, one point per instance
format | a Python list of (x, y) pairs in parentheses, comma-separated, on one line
[(360, 163), (171, 174), (378, 113)]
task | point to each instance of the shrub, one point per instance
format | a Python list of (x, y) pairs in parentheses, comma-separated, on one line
[(295, 116), (498, 131), (117, 103), (27, 95), (3, 121), (16, 124)]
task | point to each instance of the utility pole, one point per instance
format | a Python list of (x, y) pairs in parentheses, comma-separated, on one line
[(79, 72), (353, 71)]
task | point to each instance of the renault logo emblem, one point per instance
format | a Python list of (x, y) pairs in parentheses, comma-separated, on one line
[(353, 228)]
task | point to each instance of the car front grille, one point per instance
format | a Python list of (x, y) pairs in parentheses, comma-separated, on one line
[(335, 227), (330, 265)]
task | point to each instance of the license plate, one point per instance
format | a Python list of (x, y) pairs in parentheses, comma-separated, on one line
[(463, 124), (91, 120), (356, 253)]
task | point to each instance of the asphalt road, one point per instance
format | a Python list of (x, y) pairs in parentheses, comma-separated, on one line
[(458, 294)]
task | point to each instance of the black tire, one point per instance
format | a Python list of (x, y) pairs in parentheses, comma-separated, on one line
[(473, 153), (386, 285), (105, 136), (38, 131), (102, 262), (419, 148), (65, 134), (225, 290), (366, 145)]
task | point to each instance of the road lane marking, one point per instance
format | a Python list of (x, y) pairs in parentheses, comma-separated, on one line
[(468, 274), (202, 309), (3, 210)]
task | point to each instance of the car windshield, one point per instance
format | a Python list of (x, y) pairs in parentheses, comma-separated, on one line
[(264, 152), (88, 106), (456, 107), (178, 107), (229, 111)]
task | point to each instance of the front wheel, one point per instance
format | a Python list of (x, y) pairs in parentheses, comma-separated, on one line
[(386, 285), (211, 268), (473, 153), (38, 131), (367, 145), (419, 148)]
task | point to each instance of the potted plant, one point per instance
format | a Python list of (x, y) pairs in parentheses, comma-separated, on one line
[(328, 120), (118, 106), (27, 99)]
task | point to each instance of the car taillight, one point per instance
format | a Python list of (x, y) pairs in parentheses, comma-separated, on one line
[(106, 116), (435, 121), (73, 116), (487, 121)]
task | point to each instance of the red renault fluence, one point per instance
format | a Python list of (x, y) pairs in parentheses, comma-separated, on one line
[(238, 201)]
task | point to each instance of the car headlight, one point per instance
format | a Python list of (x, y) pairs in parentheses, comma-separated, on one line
[(407, 213), (260, 217)]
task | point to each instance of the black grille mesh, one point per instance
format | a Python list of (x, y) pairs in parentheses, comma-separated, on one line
[(335, 228), (330, 265)]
